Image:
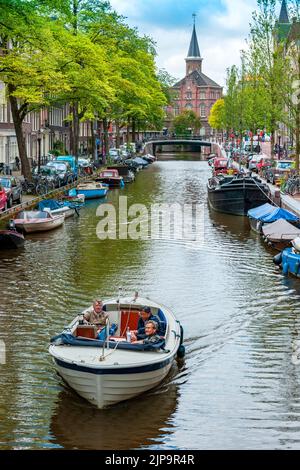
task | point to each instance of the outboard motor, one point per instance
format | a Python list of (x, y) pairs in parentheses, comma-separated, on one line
[(278, 259), (11, 225), (181, 349)]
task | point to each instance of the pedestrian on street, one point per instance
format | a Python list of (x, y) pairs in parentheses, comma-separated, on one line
[(17, 161)]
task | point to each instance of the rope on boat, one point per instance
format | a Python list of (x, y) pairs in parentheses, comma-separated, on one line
[(273, 203)]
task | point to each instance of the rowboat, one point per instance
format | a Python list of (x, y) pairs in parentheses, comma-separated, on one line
[(267, 214), (280, 234), (57, 208), (114, 370), (112, 178), (38, 221), (11, 239), (92, 190)]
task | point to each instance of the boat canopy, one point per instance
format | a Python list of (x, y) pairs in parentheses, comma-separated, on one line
[(49, 204), (268, 214), (280, 230)]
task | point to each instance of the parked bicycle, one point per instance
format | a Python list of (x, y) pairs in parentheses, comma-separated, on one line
[(291, 186)]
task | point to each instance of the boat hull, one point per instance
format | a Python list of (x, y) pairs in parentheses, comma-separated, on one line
[(236, 201), (42, 226), (92, 193), (103, 388), (10, 240)]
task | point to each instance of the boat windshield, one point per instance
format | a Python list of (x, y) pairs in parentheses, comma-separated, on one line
[(109, 173)]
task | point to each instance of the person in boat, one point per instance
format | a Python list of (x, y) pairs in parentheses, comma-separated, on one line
[(145, 316), (96, 315), (151, 334)]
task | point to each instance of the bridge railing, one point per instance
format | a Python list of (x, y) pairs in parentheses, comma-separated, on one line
[(179, 137)]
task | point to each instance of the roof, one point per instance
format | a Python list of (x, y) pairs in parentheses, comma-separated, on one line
[(199, 78), (284, 16), (194, 50)]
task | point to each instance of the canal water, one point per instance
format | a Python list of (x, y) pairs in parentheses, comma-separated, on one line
[(239, 386)]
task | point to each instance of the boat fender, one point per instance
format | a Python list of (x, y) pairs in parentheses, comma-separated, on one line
[(181, 352), (285, 268), (181, 335), (277, 259), (297, 265)]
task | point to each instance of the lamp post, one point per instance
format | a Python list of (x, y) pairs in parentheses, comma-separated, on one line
[(279, 142), (39, 138)]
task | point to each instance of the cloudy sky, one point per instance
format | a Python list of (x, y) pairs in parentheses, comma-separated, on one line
[(222, 27)]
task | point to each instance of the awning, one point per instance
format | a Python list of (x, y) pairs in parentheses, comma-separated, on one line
[(280, 230)]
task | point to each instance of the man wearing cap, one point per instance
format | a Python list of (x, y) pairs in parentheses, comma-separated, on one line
[(145, 316)]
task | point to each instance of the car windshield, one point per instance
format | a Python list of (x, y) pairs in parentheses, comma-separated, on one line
[(59, 167), (6, 183), (284, 165)]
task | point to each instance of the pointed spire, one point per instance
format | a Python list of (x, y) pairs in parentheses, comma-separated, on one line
[(194, 50), (284, 16)]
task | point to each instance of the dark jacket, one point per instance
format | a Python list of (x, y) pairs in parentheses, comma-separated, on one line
[(141, 326)]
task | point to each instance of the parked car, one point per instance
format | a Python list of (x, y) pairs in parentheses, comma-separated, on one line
[(281, 170), (13, 189), (3, 199), (63, 170), (71, 161), (253, 162)]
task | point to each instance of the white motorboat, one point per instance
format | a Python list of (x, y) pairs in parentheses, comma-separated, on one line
[(38, 221), (114, 370)]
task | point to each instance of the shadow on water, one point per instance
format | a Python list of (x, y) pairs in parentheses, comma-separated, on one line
[(134, 424)]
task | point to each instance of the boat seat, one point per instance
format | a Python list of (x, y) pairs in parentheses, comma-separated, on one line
[(86, 331), (129, 319), (162, 322)]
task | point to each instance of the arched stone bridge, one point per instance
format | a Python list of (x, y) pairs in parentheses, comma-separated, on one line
[(151, 145)]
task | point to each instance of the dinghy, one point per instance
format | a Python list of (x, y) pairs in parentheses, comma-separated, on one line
[(38, 221)]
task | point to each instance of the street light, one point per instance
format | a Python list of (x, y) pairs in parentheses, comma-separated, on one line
[(39, 139), (279, 142)]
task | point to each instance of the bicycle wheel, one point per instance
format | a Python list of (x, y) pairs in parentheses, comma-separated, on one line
[(41, 189), (294, 189)]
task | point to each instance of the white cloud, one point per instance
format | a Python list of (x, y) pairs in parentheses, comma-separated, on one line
[(221, 37)]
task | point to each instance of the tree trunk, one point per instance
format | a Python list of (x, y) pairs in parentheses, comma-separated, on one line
[(128, 132), (105, 135), (26, 171), (118, 137), (75, 131), (297, 135), (133, 130)]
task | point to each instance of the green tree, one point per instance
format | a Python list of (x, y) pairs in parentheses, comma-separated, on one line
[(217, 115), (186, 121)]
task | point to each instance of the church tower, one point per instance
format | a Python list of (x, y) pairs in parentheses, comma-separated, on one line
[(194, 60)]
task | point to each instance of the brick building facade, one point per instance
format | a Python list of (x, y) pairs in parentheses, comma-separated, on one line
[(195, 92)]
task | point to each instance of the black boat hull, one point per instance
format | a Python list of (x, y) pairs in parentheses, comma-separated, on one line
[(236, 201), (11, 240)]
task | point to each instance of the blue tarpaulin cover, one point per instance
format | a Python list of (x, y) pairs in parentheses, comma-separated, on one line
[(268, 214)]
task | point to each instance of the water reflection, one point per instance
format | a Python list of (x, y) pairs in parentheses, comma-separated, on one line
[(129, 425)]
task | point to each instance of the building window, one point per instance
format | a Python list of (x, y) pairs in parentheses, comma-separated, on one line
[(189, 106), (202, 110), (202, 95), (212, 95), (189, 95), (176, 111)]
